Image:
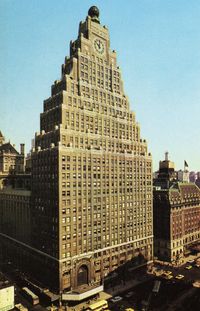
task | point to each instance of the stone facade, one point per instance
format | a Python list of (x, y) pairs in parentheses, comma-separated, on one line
[(15, 213), (10, 159), (15, 193), (91, 196), (91, 172)]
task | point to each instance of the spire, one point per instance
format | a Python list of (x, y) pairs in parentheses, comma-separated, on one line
[(166, 156)]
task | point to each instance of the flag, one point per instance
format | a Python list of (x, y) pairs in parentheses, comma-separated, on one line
[(185, 164)]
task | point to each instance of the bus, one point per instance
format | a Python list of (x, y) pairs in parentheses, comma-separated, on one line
[(98, 306), (31, 297)]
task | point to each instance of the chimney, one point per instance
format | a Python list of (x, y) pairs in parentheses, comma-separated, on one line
[(22, 148)]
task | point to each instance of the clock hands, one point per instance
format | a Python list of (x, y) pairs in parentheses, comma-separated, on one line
[(99, 46)]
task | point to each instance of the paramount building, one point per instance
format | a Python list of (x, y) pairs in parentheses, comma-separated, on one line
[(91, 196)]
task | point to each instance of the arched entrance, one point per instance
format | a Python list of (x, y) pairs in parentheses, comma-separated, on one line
[(82, 275)]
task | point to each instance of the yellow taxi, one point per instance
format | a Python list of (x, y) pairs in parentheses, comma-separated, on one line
[(167, 272), (188, 267), (169, 277), (179, 277)]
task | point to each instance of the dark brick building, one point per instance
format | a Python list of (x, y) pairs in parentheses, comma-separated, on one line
[(176, 210)]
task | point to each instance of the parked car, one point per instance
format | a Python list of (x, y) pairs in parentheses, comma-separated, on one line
[(129, 294), (179, 277), (116, 299), (20, 307), (167, 272), (169, 277), (188, 267), (190, 261)]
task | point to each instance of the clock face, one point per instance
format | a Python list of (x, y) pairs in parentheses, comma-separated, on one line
[(99, 46)]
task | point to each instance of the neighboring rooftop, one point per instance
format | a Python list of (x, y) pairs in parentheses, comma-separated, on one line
[(4, 282), (8, 148), (184, 192)]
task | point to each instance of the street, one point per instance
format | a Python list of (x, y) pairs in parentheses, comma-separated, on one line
[(135, 289), (174, 294)]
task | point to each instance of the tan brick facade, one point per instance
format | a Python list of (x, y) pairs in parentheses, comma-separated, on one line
[(91, 172)]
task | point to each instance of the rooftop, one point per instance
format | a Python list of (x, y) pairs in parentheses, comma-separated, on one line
[(8, 148), (4, 282)]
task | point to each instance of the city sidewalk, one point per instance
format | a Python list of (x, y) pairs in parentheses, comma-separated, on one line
[(182, 261), (127, 285), (113, 291)]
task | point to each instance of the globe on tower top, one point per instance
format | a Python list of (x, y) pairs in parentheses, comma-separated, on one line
[(93, 12)]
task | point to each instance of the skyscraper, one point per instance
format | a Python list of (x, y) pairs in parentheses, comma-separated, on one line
[(91, 173), (91, 196)]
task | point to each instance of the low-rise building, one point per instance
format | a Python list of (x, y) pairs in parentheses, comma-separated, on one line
[(7, 296), (183, 175), (15, 192), (10, 159), (15, 213), (12, 162), (176, 219)]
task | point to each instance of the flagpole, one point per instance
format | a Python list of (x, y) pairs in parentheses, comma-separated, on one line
[(185, 165)]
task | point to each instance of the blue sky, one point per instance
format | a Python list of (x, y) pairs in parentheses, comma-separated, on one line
[(158, 50)]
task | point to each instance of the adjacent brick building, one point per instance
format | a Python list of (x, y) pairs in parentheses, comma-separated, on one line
[(176, 210)]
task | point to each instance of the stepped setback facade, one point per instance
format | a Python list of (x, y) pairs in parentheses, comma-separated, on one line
[(91, 196)]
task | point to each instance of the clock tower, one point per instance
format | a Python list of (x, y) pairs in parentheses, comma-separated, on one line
[(91, 173)]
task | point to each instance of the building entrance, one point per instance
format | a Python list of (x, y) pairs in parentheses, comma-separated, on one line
[(83, 275)]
